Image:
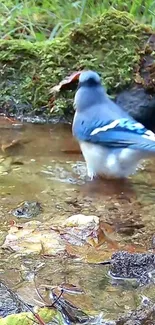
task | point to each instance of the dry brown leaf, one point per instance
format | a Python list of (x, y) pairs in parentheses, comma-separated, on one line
[(31, 238), (106, 234), (89, 253), (73, 77), (106, 227)]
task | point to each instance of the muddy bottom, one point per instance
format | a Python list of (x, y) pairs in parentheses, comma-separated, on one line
[(42, 163)]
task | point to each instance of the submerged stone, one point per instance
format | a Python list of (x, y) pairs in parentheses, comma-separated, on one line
[(139, 266), (27, 210)]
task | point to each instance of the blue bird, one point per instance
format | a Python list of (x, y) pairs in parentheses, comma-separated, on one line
[(111, 141)]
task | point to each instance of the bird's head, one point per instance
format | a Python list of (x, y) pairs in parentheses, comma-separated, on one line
[(89, 78), (90, 92)]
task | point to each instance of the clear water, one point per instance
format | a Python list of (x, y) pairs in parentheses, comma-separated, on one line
[(46, 166)]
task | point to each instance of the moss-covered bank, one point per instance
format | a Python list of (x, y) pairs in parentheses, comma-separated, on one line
[(112, 44)]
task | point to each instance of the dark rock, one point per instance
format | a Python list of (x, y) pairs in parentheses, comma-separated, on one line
[(137, 266), (140, 104)]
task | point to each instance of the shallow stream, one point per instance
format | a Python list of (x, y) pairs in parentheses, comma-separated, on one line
[(43, 163)]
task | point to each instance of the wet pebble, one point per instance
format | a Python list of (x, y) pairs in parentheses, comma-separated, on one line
[(27, 210), (139, 266)]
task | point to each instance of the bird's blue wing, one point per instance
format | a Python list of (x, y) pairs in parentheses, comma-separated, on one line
[(117, 133)]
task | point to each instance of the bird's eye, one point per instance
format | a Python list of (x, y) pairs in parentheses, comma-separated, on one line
[(82, 122)]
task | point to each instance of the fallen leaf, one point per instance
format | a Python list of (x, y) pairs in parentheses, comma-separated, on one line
[(80, 220), (73, 77), (89, 253), (107, 234), (106, 227), (81, 235), (31, 238), (81, 229)]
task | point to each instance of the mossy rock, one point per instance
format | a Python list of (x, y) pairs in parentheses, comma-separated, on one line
[(112, 44)]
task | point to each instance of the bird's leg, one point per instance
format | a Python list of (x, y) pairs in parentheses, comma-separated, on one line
[(90, 173)]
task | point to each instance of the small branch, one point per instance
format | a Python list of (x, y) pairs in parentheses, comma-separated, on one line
[(38, 293), (57, 299), (102, 263)]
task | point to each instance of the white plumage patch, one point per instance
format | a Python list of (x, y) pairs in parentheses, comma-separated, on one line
[(149, 135), (124, 123), (105, 127), (112, 163)]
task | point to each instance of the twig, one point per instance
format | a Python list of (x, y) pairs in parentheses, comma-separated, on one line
[(57, 299), (38, 293), (102, 263)]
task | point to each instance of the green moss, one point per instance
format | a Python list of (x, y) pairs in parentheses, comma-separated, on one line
[(111, 44)]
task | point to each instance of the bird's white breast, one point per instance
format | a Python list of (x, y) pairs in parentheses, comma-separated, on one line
[(110, 162)]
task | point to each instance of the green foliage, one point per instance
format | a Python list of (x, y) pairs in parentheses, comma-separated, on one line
[(111, 44), (27, 318), (39, 20)]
